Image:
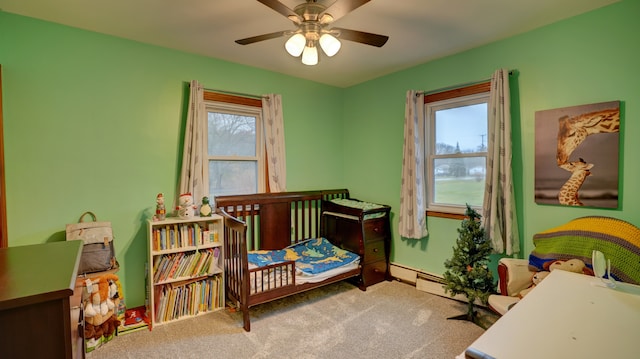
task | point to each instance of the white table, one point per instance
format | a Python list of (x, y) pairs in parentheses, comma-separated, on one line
[(567, 315)]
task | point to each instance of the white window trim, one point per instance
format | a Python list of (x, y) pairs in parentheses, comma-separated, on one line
[(243, 110), (429, 148)]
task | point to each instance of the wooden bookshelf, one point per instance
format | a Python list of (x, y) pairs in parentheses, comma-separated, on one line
[(185, 275)]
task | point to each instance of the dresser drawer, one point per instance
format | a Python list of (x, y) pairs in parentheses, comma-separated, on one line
[(375, 229), (374, 251), (374, 272)]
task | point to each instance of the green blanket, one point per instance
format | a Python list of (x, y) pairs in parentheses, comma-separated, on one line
[(365, 206), (617, 239)]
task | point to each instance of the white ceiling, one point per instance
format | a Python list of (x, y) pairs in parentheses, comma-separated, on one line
[(418, 30)]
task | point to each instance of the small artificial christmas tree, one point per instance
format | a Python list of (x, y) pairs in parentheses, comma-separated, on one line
[(467, 271)]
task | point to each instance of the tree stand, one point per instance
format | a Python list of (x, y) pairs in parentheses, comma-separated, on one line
[(470, 316)]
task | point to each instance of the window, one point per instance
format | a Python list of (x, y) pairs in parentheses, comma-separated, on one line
[(456, 148), (234, 145)]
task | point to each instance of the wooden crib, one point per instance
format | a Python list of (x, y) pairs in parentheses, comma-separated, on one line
[(271, 221)]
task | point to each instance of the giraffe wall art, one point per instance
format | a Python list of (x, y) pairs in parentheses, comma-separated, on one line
[(577, 155)]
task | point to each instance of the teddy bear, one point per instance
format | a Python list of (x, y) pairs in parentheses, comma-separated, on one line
[(570, 265), (536, 279), (110, 325), (102, 297), (90, 332), (186, 208)]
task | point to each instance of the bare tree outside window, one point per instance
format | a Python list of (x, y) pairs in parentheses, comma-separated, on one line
[(234, 149)]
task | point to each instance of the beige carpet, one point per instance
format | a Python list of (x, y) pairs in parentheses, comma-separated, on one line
[(388, 320)]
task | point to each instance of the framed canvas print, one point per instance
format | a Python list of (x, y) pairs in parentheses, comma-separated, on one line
[(576, 155)]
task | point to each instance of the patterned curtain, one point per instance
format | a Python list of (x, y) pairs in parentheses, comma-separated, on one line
[(192, 174), (499, 208), (274, 138), (413, 217)]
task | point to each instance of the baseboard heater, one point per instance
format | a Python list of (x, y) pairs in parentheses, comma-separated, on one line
[(415, 276), (424, 281)]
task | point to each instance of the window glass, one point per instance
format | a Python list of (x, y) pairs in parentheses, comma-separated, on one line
[(461, 129), (234, 151), (455, 154), (231, 134), (233, 177)]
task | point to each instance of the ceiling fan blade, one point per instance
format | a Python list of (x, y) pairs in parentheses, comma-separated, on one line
[(251, 40), (362, 37), (342, 7), (279, 7)]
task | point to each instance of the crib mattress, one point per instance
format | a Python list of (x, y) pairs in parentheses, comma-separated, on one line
[(316, 260)]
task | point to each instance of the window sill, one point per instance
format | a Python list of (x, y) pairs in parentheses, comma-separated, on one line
[(446, 215)]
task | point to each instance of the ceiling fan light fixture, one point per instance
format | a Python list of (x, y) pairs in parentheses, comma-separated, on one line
[(325, 19), (295, 45), (310, 55), (313, 20), (329, 44)]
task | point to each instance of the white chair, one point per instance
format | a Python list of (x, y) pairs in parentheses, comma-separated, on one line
[(513, 276)]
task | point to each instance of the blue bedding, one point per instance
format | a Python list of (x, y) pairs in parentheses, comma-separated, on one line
[(312, 256)]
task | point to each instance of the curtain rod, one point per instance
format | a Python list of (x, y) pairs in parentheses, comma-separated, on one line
[(234, 93), (443, 89)]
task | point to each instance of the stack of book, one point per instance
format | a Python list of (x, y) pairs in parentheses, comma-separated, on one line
[(134, 319)]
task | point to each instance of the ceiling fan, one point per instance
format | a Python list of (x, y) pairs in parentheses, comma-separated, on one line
[(313, 20)]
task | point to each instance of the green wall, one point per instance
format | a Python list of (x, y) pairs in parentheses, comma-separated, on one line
[(93, 122), (586, 59)]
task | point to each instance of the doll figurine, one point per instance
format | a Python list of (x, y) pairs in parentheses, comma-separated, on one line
[(205, 208), (161, 212)]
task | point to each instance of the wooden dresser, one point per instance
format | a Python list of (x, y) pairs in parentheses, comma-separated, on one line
[(352, 229), (36, 300)]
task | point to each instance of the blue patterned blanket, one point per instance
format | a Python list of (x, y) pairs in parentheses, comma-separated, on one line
[(312, 256)]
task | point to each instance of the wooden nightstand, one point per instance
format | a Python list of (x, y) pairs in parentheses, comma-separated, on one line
[(353, 229)]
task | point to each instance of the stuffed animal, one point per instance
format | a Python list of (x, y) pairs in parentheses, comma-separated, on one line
[(570, 265), (186, 209), (536, 279), (110, 325), (90, 331), (102, 298)]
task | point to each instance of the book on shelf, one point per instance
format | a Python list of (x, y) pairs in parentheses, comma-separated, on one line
[(176, 263), (189, 297), (181, 235), (195, 263), (214, 265), (197, 269), (163, 263), (158, 267), (181, 271)]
